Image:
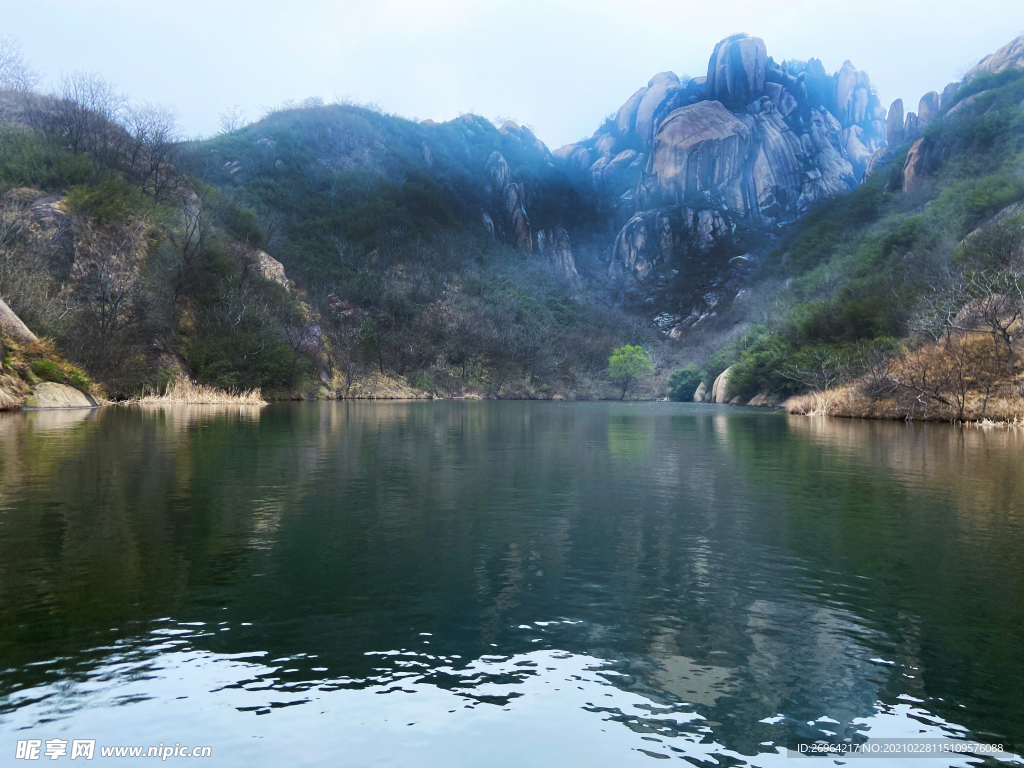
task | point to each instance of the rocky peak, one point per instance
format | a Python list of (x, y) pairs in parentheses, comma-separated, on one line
[(736, 70), (895, 124), (927, 109), (754, 141), (1010, 56)]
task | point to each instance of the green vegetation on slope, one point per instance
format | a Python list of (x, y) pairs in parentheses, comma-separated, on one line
[(867, 268)]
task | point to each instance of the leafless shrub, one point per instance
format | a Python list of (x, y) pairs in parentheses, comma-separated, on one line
[(15, 72)]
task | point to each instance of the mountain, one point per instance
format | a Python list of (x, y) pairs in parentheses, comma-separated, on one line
[(754, 142), (905, 297), (747, 219)]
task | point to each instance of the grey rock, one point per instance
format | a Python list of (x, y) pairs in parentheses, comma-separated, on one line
[(1010, 56), (894, 124), (736, 70), (52, 395), (12, 326)]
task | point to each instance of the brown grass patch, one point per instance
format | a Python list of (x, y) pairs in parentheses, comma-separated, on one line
[(962, 379), (184, 391), (375, 386), (831, 402)]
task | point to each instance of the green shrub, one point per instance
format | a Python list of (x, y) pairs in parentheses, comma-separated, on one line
[(27, 162), (761, 367), (683, 383), (113, 199), (241, 223), (47, 370), (79, 380)]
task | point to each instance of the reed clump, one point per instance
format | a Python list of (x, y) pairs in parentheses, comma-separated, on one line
[(184, 391)]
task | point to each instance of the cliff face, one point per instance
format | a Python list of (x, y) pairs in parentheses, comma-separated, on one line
[(751, 142)]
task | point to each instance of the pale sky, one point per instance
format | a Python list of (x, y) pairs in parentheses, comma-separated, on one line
[(559, 66)]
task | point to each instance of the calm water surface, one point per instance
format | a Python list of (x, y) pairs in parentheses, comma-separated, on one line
[(506, 584)]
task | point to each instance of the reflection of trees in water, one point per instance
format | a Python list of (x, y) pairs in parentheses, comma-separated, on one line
[(722, 552), (917, 530)]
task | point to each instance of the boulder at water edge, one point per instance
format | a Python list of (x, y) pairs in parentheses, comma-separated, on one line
[(52, 395)]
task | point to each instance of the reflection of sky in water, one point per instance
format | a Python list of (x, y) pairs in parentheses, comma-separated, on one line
[(735, 580), (537, 708)]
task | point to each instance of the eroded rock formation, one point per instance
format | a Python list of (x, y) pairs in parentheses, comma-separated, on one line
[(895, 123), (689, 159), (1010, 56), (736, 70), (554, 245), (923, 159), (510, 200), (927, 110), (720, 389)]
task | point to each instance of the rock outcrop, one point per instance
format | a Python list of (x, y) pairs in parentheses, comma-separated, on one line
[(895, 124), (911, 129), (923, 159), (554, 246), (720, 389), (736, 70), (948, 95), (271, 269), (510, 199), (12, 326), (688, 160), (927, 110), (664, 92), (1010, 56), (702, 390), (52, 395)]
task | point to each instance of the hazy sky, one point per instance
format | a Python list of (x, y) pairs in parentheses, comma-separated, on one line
[(560, 66)]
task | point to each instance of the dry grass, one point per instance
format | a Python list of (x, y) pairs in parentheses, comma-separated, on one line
[(961, 381), (183, 391), (831, 402), (375, 386)]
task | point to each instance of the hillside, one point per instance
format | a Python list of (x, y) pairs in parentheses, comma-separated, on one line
[(760, 218), (907, 293)]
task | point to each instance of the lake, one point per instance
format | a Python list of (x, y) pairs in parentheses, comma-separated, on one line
[(507, 583)]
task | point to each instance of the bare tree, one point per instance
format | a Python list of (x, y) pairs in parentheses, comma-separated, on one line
[(945, 375), (998, 310), (151, 148), (989, 301), (15, 72), (232, 119), (84, 116), (110, 300), (820, 369), (196, 224)]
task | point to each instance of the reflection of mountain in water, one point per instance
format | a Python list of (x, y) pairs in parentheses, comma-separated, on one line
[(733, 567)]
